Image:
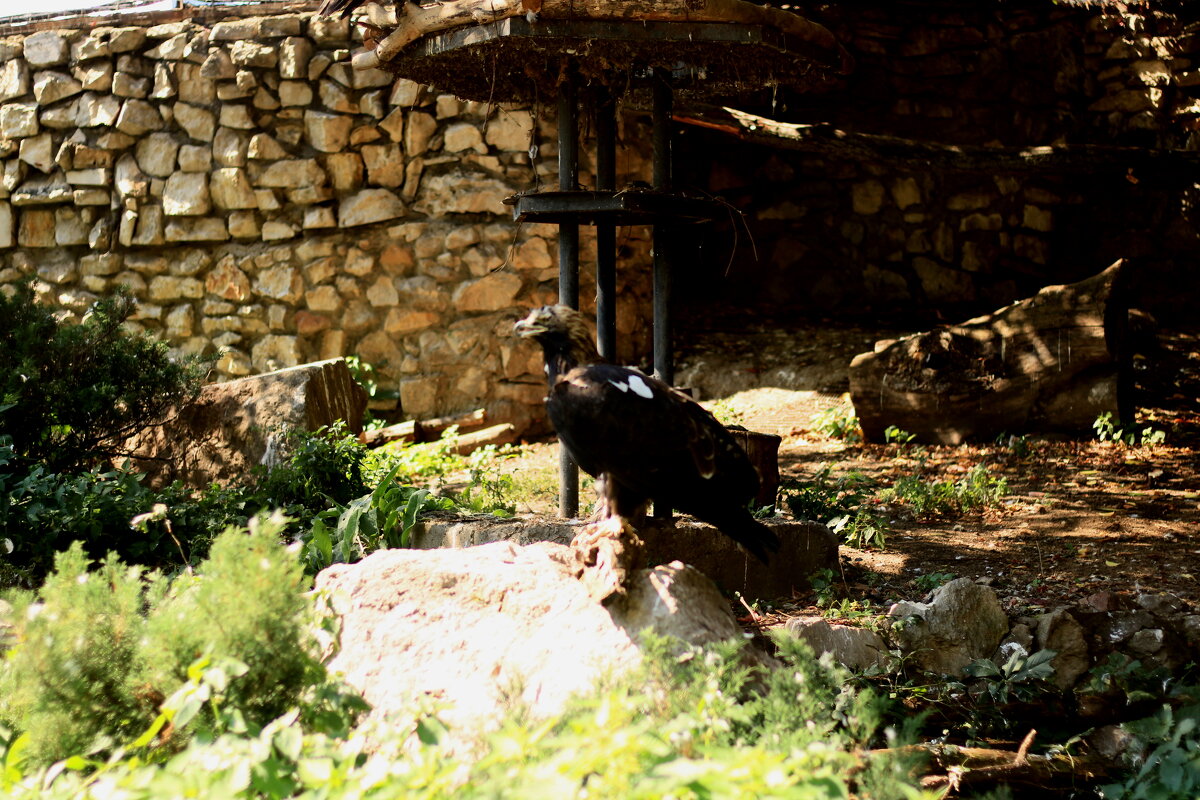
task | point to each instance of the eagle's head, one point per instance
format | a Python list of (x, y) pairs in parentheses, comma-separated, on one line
[(562, 333)]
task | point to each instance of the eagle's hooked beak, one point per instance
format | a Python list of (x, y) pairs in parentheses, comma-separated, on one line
[(530, 326)]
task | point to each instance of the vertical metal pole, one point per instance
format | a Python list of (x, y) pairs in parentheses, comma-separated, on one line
[(568, 264), (664, 368), (606, 233)]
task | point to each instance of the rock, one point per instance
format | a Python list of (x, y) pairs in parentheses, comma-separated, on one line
[(7, 234), (236, 116), (962, 622), (463, 136), (14, 79), (38, 152), (18, 120), (195, 158), (385, 165), (234, 426), (295, 93), (473, 626), (264, 148), (859, 649), (294, 55), (199, 123), (138, 117), (491, 293), (246, 53), (510, 131), (367, 206), (126, 85), (236, 29), (1059, 631), (97, 110), (50, 87), (328, 133), (46, 49), (156, 154), (231, 189), (43, 190), (196, 229), (418, 132), (462, 193), (36, 228), (229, 148), (186, 195), (288, 174), (95, 77), (218, 65)]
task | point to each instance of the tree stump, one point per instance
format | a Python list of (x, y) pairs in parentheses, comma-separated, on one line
[(1051, 362)]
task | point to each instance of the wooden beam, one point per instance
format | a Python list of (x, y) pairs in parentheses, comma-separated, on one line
[(826, 140)]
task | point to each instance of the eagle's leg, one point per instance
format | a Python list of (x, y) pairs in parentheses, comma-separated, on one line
[(608, 548)]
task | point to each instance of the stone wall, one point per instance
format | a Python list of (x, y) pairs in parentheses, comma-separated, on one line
[(856, 234), (270, 205)]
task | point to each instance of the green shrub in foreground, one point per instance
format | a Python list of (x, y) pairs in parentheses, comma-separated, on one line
[(695, 723), (96, 652)]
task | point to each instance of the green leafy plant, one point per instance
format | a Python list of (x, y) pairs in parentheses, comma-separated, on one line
[(1022, 677), (932, 580), (384, 518), (72, 394), (838, 422), (98, 651), (1170, 770), (1107, 431), (846, 504), (895, 435), (977, 490)]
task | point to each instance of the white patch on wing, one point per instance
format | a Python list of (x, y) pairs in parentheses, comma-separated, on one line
[(624, 387), (640, 387)]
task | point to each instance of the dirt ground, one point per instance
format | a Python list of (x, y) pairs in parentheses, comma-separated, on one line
[(1081, 516)]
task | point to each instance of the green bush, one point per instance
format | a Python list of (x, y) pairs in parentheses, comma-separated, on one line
[(696, 722), (97, 652), (71, 394)]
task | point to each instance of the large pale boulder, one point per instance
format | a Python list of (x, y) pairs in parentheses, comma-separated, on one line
[(482, 627), (234, 426), (963, 622)]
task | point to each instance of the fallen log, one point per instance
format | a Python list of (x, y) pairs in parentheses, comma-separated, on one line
[(427, 430), (497, 434), (1051, 362)]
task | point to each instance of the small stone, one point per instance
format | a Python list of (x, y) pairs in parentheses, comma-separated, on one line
[(244, 225), (126, 85), (510, 131), (463, 136), (328, 133), (385, 165), (274, 230), (236, 116), (171, 49), (195, 158), (46, 49), (218, 65), (18, 120), (418, 133), (319, 217), (156, 154), (150, 227), (247, 53), (867, 197), (336, 98), (36, 228), (294, 55), (196, 229), (38, 152), (164, 83), (280, 283), (50, 87), (289, 173), (125, 40), (367, 206), (491, 293), (229, 148), (96, 176), (7, 234), (95, 77), (186, 194), (236, 29), (371, 104), (231, 189), (199, 123), (393, 125), (295, 94)]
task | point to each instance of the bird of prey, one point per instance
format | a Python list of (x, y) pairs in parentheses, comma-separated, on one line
[(641, 439)]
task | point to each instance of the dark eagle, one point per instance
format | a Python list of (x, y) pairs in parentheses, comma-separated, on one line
[(641, 439)]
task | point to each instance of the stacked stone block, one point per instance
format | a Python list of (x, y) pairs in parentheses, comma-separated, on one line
[(270, 205)]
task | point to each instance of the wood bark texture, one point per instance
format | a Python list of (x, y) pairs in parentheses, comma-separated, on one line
[(418, 21), (1051, 362)]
